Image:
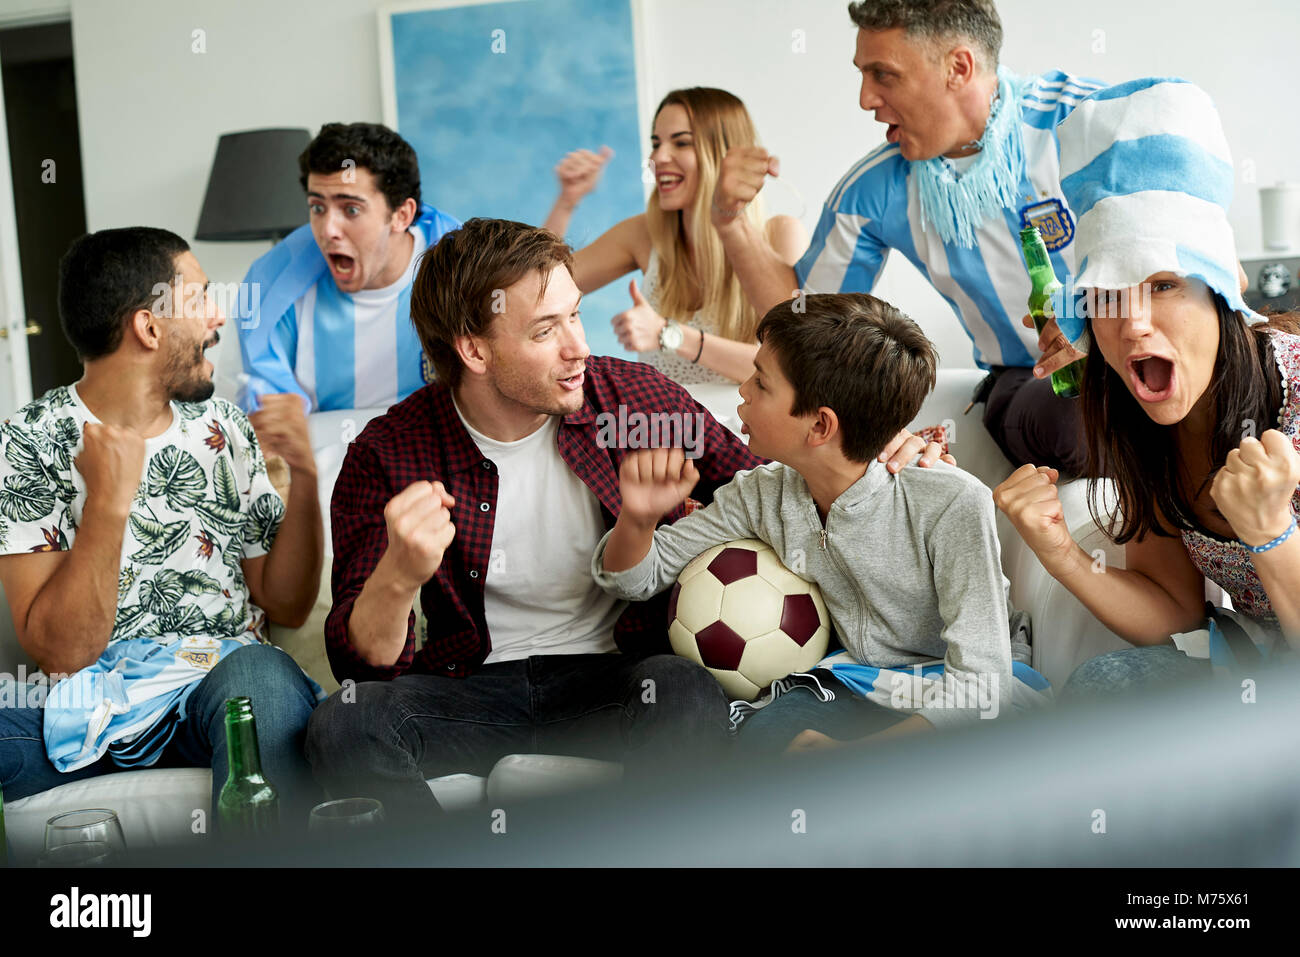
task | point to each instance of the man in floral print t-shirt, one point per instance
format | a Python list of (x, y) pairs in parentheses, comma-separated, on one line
[(142, 546), (204, 504)]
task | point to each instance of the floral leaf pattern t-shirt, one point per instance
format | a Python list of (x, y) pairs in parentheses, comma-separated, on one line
[(204, 503)]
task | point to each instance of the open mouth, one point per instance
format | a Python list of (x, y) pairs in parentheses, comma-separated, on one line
[(341, 265), (1152, 378), (669, 182), (893, 133), (573, 382)]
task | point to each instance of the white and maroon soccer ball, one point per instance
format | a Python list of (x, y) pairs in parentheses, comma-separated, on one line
[(746, 617)]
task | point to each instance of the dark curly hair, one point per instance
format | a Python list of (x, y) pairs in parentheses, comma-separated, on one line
[(107, 276), (389, 158)]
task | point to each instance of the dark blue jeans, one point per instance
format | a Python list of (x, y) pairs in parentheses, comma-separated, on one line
[(282, 702), (1132, 670), (769, 731), (384, 738)]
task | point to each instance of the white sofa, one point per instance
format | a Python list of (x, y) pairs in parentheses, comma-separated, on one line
[(158, 805)]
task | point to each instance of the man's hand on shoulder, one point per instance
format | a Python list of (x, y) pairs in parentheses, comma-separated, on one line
[(111, 462), (281, 427), (902, 448)]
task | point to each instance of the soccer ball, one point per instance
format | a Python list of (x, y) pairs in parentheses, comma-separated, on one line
[(742, 614)]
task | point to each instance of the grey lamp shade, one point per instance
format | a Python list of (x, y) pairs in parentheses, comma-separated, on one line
[(253, 189)]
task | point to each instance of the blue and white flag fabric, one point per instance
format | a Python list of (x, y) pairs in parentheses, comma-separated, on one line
[(280, 278), (128, 703), (1148, 175), (907, 688)]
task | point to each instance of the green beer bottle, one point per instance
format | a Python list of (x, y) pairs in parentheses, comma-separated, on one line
[(249, 805), (1065, 382)]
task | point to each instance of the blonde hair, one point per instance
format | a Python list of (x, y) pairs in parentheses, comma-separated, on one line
[(706, 281)]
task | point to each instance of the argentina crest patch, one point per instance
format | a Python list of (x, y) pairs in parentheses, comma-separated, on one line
[(1054, 222)]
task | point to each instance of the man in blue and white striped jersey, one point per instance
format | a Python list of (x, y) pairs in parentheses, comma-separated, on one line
[(331, 319), (970, 158)]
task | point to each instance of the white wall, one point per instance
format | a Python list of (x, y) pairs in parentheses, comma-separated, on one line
[(151, 109)]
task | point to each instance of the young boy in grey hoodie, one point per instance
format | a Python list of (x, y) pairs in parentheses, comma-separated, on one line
[(908, 563)]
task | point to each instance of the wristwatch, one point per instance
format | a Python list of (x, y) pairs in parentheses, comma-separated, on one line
[(671, 337)]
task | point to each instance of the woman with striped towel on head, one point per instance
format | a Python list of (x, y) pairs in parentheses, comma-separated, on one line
[(1190, 399)]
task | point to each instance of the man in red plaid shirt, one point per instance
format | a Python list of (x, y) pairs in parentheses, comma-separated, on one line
[(485, 493)]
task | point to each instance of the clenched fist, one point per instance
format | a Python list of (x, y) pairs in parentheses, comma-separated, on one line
[(1029, 498), (1254, 488), (111, 462), (653, 482), (419, 531), (638, 328), (742, 174), (281, 427), (579, 172)]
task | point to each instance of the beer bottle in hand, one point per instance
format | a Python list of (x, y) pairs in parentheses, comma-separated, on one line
[(1065, 382)]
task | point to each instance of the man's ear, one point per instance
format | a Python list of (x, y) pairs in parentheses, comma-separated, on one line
[(146, 327), (404, 215), (961, 66), (825, 426), (474, 352)]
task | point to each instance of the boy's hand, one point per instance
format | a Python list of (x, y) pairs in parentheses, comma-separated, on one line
[(810, 740), (905, 446), (654, 482)]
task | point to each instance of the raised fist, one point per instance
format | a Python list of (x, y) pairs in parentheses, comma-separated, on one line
[(579, 172), (653, 482), (742, 174), (111, 462), (419, 531)]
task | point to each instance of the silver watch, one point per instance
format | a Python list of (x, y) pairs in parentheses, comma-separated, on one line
[(671, 337)]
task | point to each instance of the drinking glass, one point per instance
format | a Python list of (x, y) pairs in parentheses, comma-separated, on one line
[(346, 814), (97, 825)]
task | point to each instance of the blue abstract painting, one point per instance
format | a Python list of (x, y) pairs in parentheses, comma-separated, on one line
[(492, 96)]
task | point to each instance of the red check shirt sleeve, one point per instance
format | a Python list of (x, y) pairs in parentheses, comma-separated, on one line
[(360, 540)]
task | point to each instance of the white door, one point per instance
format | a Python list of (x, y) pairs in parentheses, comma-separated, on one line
[(15, 376)]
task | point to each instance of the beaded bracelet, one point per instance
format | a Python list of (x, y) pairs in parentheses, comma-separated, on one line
[(1268, 546)]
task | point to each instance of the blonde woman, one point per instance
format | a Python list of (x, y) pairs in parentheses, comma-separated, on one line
[(691, 320)]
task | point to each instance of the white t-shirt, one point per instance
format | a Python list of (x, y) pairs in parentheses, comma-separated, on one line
[(352, 350), (539, 597)]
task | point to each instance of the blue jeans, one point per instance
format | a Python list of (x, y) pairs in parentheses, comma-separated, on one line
[(384, 738), (1134, 669), (282, 702), (847, 717)]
